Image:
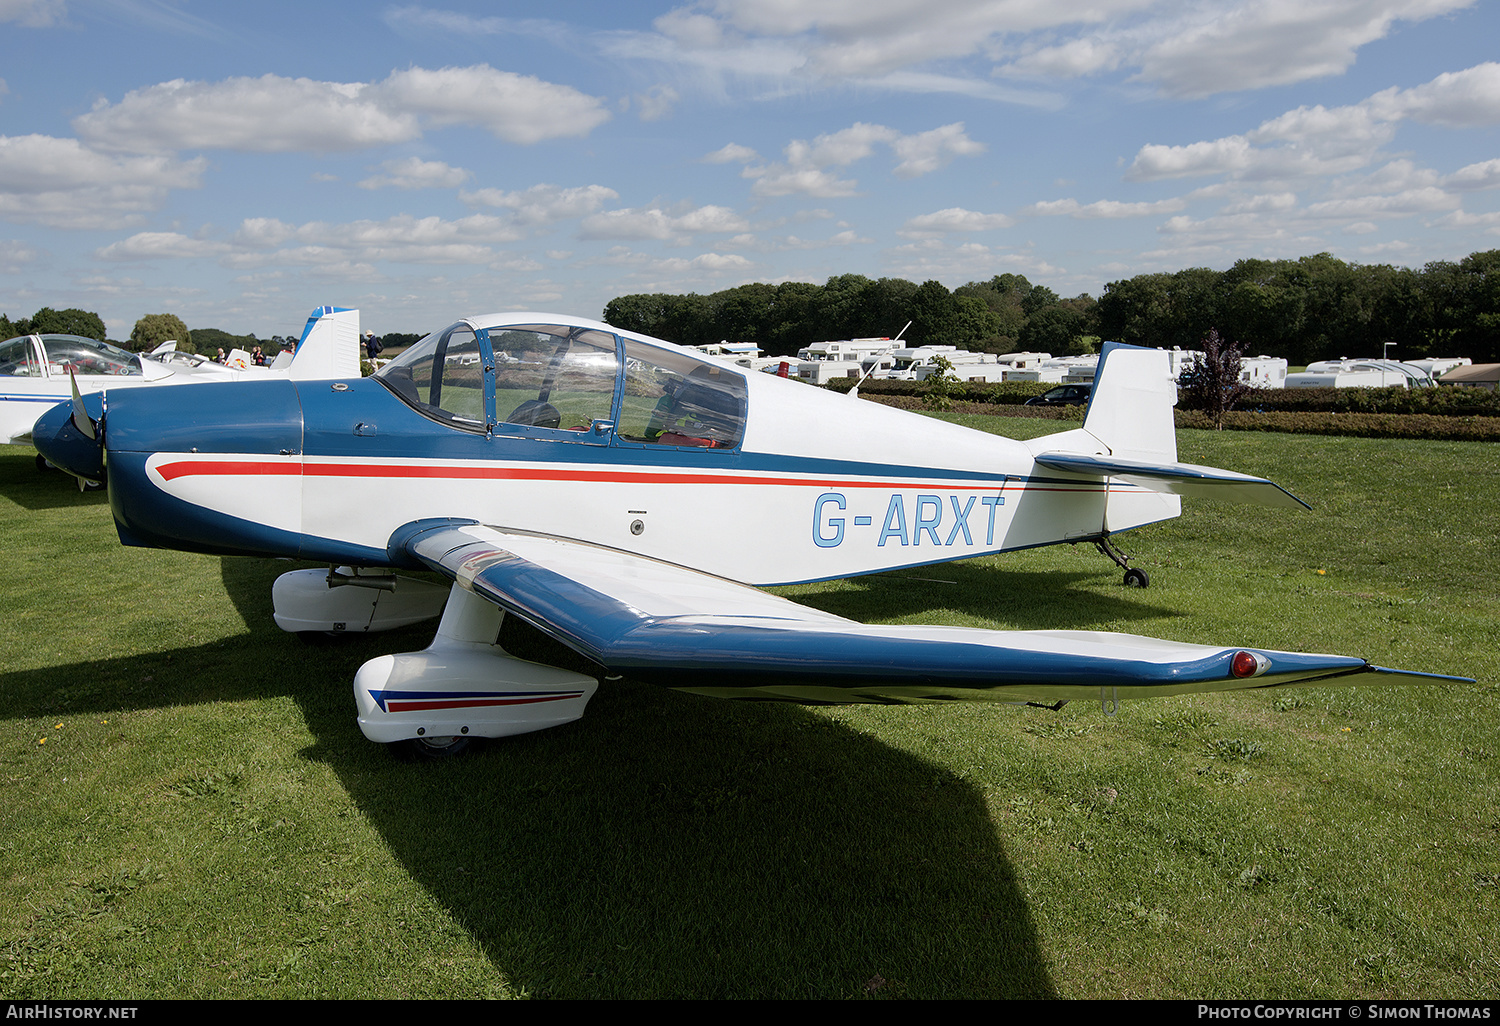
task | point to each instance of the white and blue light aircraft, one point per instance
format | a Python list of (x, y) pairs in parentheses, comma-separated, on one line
[(599, 484), (35, 370)]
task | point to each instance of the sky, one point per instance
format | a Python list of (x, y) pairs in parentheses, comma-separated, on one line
[(239, 165)]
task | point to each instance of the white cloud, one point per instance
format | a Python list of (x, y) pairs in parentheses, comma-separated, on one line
[(1112, 209), (515, 108), (806, 169), (163, 246), (1484, 175), (63, 184), (1225, 47), (656, 223), (838, 239), (656, 103), (715, 262), (953, 219), (267, 114), (841, 148), (1460, 99), (352, 247), (780, 180), (1402, 204), (1072, 59), (731, 153), (1459, 219), (1317, 140), (543, 204), (698, 31), (453, 23), (15, 255), (1186, 48), (277, 114), (933, 258), (1228, 229), (416, 173), (1228, 155), (926, 152), (33, 13), (1262, 203)]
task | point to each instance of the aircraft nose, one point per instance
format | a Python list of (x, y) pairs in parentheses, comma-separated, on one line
[(57, 437)]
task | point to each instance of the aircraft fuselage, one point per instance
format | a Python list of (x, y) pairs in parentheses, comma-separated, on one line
[(328, 471)]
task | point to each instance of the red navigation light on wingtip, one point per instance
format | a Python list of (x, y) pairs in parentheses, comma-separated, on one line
[(1247, 664)]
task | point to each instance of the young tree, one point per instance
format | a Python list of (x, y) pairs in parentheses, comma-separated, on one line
[(940, 384), (1212, 382), (154, 329)]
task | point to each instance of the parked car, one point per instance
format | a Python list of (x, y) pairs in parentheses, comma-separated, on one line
[(1063, 395)]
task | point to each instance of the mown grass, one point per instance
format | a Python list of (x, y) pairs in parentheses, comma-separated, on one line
[(187, 808)]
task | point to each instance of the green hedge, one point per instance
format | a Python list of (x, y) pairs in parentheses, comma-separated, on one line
[(1004, 393), (1359, 425), (1442, 401)]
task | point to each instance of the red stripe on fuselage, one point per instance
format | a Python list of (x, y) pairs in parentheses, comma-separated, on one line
[(228, 468), (395, 705)]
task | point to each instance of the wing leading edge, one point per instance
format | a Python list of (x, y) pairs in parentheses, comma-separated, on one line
[(692, 631)]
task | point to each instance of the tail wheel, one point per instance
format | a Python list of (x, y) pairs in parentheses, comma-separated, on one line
[(1136, 578), (437, 747)]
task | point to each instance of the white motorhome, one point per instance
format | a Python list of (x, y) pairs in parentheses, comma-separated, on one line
[(1263, 371), (822, 362), (920, 363), (1346, 373), (742, 354), (1437, 366)]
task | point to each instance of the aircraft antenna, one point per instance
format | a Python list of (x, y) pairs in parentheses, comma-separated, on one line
[(854, 392)]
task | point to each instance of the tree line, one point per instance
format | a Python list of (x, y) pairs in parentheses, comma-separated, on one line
[(149, 332), (152, 330), (1001, 315), (1315, 307)]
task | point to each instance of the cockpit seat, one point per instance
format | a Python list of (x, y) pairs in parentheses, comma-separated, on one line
[(535, 413)]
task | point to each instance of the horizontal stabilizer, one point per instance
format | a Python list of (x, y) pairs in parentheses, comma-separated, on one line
[(670, 625), (1177, 478)]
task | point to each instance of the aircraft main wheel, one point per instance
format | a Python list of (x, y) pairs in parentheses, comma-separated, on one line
[(1136, 578), (437, 747)]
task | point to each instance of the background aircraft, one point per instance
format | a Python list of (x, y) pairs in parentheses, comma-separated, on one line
[(602, 486), (35, 369)]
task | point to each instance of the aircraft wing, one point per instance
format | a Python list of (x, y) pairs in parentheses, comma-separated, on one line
[(670, 625), (1177, 478)]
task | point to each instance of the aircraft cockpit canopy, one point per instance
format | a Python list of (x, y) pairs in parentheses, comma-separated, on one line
[(571, 383), (61, 353), (442, 376)]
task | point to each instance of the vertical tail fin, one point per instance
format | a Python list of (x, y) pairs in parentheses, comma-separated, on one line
[(1130, 410), (329, 347)]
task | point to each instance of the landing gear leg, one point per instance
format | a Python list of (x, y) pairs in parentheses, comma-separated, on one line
[(1135, 577)]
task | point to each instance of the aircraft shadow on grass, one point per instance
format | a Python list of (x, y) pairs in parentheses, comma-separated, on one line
[(1009, 599), (749, 838), (32, 490)]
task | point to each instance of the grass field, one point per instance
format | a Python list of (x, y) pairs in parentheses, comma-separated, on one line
[(187, 808)]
